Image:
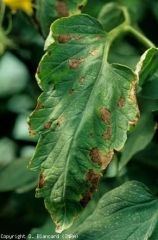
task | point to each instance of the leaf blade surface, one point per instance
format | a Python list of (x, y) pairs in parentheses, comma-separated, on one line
[(82, 115)]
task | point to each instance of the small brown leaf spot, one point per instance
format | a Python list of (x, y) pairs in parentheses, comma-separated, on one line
[(48, 124), (39, 106), (64, 38), (81, 79), (75, 62), (41, 182), (71, 91), (60, 120), (91, 134), (61, 8), (49, 53), (38, 70), (105, 115), (120, 102), (80, 7), (107, 135), (94, 52), (99, 37)]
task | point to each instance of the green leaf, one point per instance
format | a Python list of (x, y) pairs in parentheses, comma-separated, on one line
[(127, 212), (82, 116), (14, 77), (147, 65), (50, 10), (111, 16), (143, 133), (150, 88), (16, 176)]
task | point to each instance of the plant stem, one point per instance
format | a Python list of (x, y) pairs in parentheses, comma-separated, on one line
[(140, 36)]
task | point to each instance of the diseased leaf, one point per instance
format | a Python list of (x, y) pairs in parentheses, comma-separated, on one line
[(82, 116), (127, 212), (147, 65), (50, 10)]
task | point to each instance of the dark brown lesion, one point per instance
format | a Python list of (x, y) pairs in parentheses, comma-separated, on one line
[(41, 181), (71, 91), (92, 179), (101, 159), (60, 120)]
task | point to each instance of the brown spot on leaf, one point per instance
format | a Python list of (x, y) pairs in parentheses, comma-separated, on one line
[(107, 135), (91, 134), (39, 106), (86, 197), (92, 179), (105, 115), (61, 8), (60, 120), (100, 158), (64, 38), (99, 37), (94, 52), (38, 70), (75, 62), (81, 79), (71, 91), (48, 124), (120, 102), (80, 7), (31, 132), (49, 53), (41, 182)]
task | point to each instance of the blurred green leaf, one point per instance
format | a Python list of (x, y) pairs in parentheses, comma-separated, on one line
[(48, 11), (20, 130), (110, 16), (15, 175), (150, 89), (20, 103), (14, 75), (127, 212), (7, 151)]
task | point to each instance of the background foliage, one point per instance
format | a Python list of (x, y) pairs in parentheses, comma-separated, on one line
[(18, 94)]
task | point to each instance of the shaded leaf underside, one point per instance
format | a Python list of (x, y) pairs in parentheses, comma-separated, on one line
[(82, 115)]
